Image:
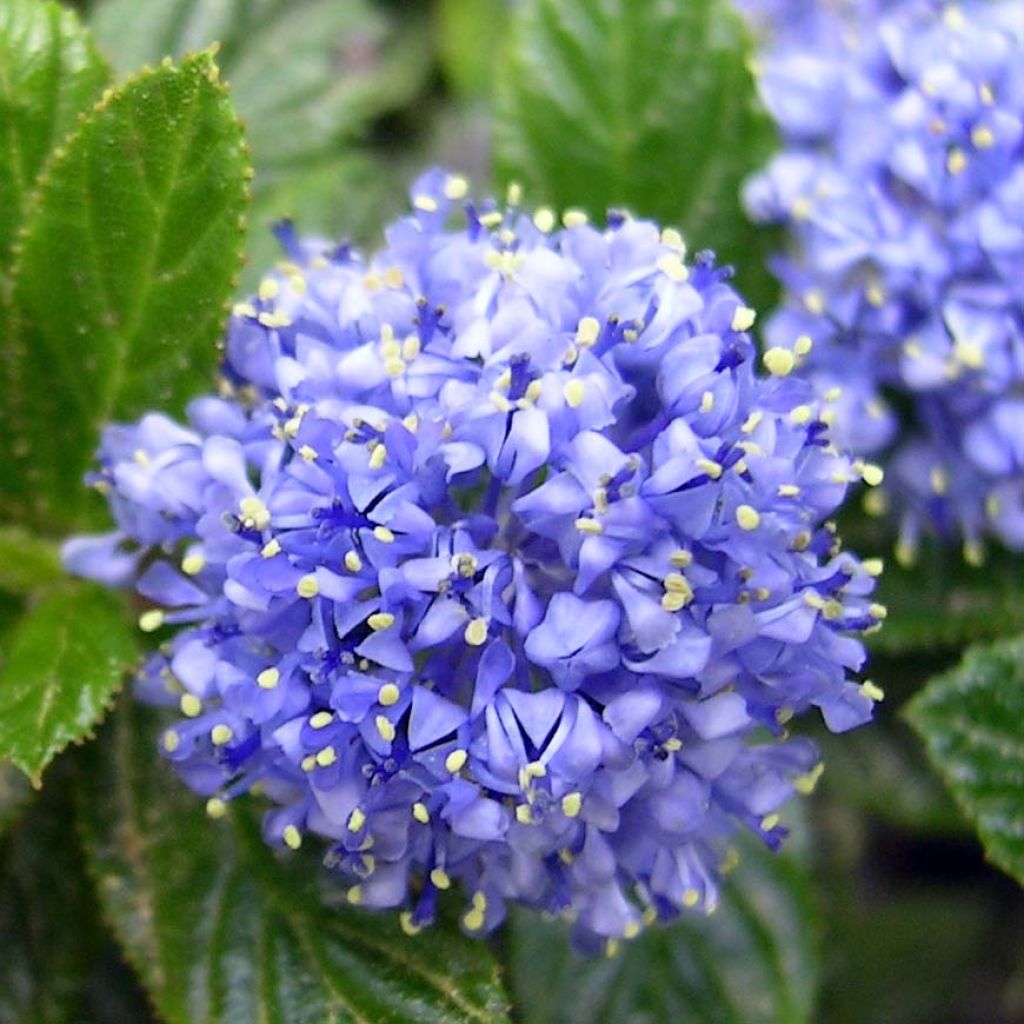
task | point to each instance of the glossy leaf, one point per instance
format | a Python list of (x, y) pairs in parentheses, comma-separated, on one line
[(221, 929), (754, 961), (49, 72), (637, 103), (972, 722), (64, 661), (27, 562), (48, 931), (130, 252)]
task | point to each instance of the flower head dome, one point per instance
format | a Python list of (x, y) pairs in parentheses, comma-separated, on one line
[(495, 565), (902, 181)]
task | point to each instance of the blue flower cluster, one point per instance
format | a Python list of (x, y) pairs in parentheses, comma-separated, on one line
[(902, 184), (496, 564)]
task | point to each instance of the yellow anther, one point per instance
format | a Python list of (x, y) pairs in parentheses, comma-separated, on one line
[(544, 220), (500, 402), (814, 302), (632, 930), (192, 565), (993, 506), (707, 402), (574, 392), (271, 548), (987, 96), (832, 609), (906, 552), (456, 187), (533, 391), (673, 240), (514, 194), (353, 562), (802, 207), (611, 948), (246, 309), (674, 602), (672, 266), (269, 289), (308, 763), (221, 735), (803, 345), (872, 475), (255, 514), (974, 552), (307, 587), (676, 583), (394, 366), (354, 895), (383, 534), (743, 318), (752, 422), (800, 415), (411, 347), (326, 757), (956, 161), (307, 453), (191, 706), (713, 469), (813, 599), (587, 331), (983, 138), (572, 803), (833, 394), (805, 784), (385, 728), (672, 744), (439, 878), (473, 919), (680, 558), (524, 814), (748, 517), (476, 632), (878, 611), (730, 862), (938, 479), (171, 741), (388, 695), (428, 204), (420, 813), (268, 678), (691, 897), (573, 218), (356, 820), (321, 719), (779, 361), (872, 691), (274, 319), (954, 18), (788, 490), (591, 526), (151, 620), (216, 808), (409, 927), (380, 620), (784, 715), (456, 761), (769, 821), (969, 353), (292, 837), (491, 219)]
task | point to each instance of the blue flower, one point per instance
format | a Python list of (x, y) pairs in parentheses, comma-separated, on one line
[(496, 564), (902, 183)]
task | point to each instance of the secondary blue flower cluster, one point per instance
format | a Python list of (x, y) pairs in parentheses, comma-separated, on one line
[(902, 183), (496, 564)]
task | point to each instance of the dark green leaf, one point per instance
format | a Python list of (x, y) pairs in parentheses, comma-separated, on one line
[(637, 103), (754, 960), (972, 722), (48, 931), (469, 34), (130, 252), (222, 930), (49, 72), (335, 64), (27, 562), (65, 661)]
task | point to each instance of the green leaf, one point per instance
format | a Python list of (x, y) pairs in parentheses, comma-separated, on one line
[(941, 602), (221, 929), (336, 63), (15, 791), (65, 661), (972, 722), (48, 931), (49, 72), (468, 34), (642, 104), (27, 562), (130, 251), (754, 961)]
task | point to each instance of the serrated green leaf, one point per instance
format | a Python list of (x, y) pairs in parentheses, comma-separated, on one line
[(942, 603), (49, 72), (637, 103), (754, 961), (48, 931), (222, 930), (336, 63), (64, 662), (972, 722), (130, 252)]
